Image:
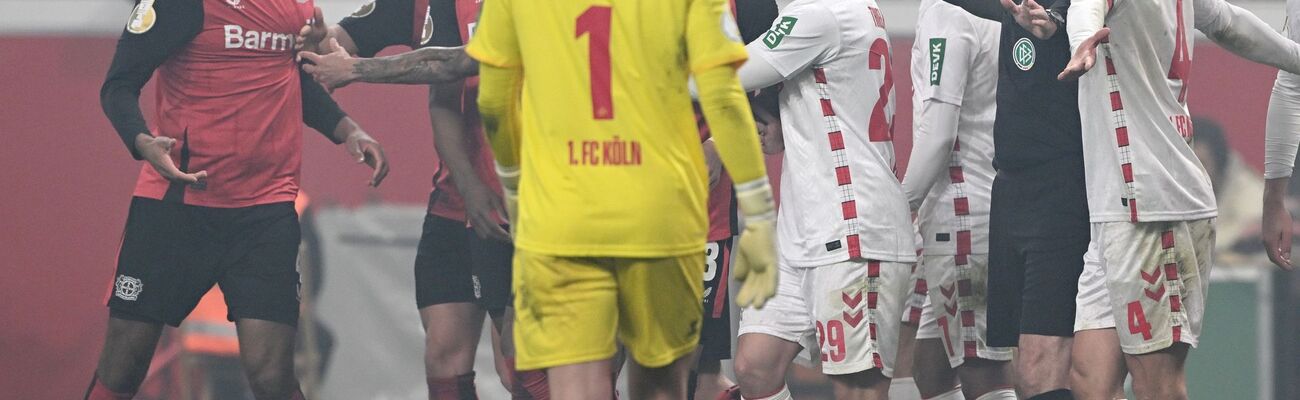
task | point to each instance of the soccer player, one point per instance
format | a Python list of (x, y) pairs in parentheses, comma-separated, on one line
[(1038, 212), (462, 267), (1280, 151), (214, 205), (845, 236), (949, 182), (1152, 204), (611, 188)]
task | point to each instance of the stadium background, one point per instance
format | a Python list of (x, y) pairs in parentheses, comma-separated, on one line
[(67, 182)]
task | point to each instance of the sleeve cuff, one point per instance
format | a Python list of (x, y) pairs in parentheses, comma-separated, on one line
[(488, 58)]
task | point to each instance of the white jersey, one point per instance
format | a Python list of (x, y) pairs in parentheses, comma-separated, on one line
[(840, 198), (955, 61), (1136, 128)]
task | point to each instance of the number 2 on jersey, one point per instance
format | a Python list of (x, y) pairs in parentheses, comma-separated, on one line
[(595, 24), (881, 128)]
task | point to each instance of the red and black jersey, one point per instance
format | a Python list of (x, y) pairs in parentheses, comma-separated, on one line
[(430, 23), (230, 93)]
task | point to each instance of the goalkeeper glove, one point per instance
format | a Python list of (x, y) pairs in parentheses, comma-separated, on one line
[(509, 177), (756, 262)]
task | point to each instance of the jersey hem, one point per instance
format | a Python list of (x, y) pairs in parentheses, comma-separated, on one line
[(1149, 216), (552, 249), (189, 201), (844, 257)]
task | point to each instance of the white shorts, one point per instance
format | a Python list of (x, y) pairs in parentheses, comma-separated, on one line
[(929, 325), (848, 312), (1154, 275), (959, 307), (917, 299)]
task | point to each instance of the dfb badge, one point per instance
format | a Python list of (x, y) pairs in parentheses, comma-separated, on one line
[(142, 18)]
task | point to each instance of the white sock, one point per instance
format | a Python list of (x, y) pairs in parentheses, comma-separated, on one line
[(903, 389), (954, 394), (1000, 394), (784, 394)]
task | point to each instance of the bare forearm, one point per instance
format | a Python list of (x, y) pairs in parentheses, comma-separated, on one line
[(448, 134), (428, 65)]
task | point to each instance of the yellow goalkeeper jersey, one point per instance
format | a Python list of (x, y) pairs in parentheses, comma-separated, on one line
[(611, 163)]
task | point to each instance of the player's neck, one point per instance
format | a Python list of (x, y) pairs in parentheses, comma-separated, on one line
[(780, 4)]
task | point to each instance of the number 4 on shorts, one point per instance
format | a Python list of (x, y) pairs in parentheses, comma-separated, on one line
[(1137, 320)]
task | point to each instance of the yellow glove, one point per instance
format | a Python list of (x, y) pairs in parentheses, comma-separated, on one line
[(756, 261), (509, 177)]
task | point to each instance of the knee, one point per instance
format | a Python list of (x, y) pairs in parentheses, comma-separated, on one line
[(272, 383), (753, 374), (1159, 391)]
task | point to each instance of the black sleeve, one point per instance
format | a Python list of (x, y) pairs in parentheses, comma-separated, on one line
[(319, 111), (754, 18), (446, 24), (138, 55), (379, 24), (1062, 7), (987, 9)]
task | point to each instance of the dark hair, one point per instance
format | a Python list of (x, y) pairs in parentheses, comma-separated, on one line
[(1210, 134)]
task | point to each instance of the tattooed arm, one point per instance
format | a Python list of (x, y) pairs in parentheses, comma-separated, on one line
[(422, 66)]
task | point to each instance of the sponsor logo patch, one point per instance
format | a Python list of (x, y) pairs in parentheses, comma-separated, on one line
[(142, 18), (778, 32), (127, 288), (937, 48), (1024, 54)]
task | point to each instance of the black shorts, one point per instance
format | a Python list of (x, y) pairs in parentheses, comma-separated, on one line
[(454, 265), (715, 336), (1038, 232), (173, 253)]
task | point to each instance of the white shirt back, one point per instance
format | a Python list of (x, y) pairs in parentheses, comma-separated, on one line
[(955, 61), (1136, 128), (840, 197)]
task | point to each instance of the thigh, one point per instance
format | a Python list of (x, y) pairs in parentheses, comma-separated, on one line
[(857, 307), (715, 336), (785, 316), (1157, 275), (443, 265), (491, 276), (566, 310), (260, 277), (659, 307), (166, 263)]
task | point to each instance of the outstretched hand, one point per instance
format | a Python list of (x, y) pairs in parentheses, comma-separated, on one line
[(333, 70), (364, 149), (1276, 226), (157, 151), (1084, 57), (1033, 17)]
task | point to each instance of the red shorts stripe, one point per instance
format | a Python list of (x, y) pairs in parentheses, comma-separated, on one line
[(827, 110), (1121, 136), (1115, 103)]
